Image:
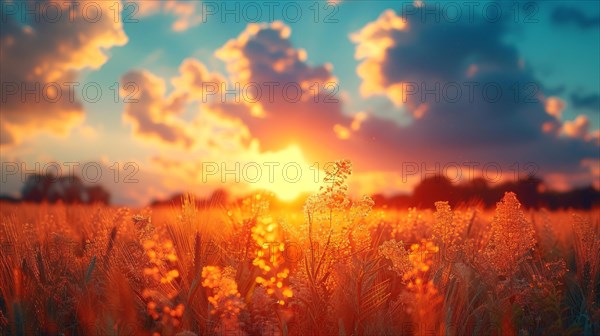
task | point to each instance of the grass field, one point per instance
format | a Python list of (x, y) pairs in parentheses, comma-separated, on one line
[(336, 267)]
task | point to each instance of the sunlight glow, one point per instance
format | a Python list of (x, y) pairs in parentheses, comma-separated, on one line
[(291, 175)]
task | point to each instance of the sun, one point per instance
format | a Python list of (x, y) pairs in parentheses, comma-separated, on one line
[(288, 174)]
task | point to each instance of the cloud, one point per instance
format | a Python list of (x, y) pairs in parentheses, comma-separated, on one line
[(291, 101), (263, 52), (413, 62), (566, 15), (159, 116), (43, 57), (194, 80), (578, 128), (372, 42), (237, 122), (186, 13), (445, 85), (151, 114), (590, 101), (399, 52), (555, 106), (396, 52)]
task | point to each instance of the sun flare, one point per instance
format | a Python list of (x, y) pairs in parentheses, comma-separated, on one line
[(286, 173)]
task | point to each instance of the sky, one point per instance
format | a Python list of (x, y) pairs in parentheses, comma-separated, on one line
[(151, 98)]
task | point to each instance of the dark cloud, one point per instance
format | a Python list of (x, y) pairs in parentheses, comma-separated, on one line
[(299, 108), (501, 119), (566, 15), (478, 125), (34, 57), (590, 101)]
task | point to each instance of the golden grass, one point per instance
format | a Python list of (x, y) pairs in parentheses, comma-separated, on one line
[(337, 267)]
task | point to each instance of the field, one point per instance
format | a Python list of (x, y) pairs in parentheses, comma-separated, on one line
[(334, 267)]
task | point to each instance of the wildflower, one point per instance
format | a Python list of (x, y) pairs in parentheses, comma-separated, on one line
[(333, 221), (444, 229), (268, 237), (512, 236), (395, 252), (161, 255), (226, 300), (161, 290), (166, 314), (421, 258)]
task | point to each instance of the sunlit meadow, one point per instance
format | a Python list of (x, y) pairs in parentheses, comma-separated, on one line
[(337, 266)]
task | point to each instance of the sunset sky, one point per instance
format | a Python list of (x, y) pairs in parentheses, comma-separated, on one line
[(393, 86)]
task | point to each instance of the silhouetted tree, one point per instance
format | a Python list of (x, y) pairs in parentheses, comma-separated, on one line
[(69, 189), (36, 187), (528, 191), (433, 189)]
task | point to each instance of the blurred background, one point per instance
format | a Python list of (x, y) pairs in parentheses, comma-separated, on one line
[(137, 102)]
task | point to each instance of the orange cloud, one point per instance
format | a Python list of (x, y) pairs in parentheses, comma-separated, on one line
[(227, 129), (292, 92), (555, 106), (41, 59), (345, 132), (372, 43), (149, 114), (342, 132), (194, 80), (159, 116), (578, 128)]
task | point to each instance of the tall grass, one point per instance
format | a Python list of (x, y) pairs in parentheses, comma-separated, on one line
[(336, 267)]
